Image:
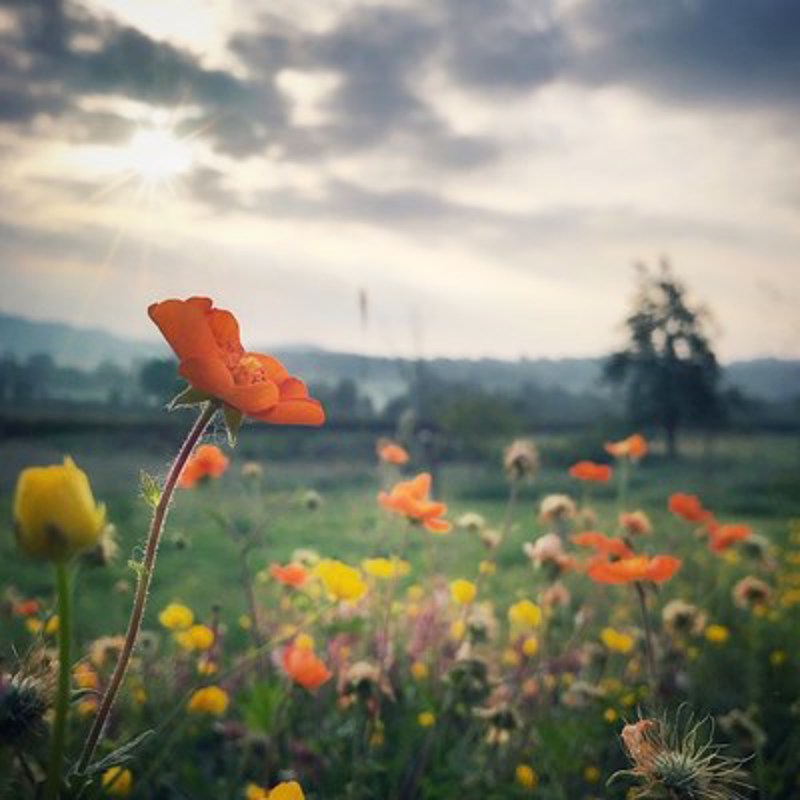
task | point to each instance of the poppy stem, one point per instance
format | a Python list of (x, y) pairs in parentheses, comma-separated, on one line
[(58, 742), (648, 635), (143, 584)]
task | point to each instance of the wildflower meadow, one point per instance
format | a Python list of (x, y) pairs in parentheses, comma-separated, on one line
[(564, 616)]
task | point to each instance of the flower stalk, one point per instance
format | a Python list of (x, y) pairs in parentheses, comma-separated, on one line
[(143, 584), (59, 740)]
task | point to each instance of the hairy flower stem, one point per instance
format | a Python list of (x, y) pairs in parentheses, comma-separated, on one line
[(513, 495), (59, 739), (648, 636), (143, 584)]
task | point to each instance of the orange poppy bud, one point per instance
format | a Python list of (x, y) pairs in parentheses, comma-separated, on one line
[(391, 452), (589, 471), (304, 668), (293, 574), (688, 507), (207, 461), (634, 447)]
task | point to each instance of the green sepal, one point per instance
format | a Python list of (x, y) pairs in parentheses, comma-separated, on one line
[(188, 397), (233, 421), (149, 489)]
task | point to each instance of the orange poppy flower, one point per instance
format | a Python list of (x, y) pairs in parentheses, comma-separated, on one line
[(688, 507), (410, 498), (304, 668), (634, 447), (207, 461), (291, 575), (607, 545), (589, 471), (212, 359), (634, 568), (391, 452), (723, 536), (26, 608)]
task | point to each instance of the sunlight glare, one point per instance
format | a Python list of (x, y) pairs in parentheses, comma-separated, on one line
[(157, 155)]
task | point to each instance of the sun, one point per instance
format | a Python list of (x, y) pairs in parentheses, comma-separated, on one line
[(157, 155)]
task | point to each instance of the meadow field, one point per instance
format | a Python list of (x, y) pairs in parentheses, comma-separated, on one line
[(429, 691)]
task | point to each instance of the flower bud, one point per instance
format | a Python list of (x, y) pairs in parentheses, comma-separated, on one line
[(55, 514)]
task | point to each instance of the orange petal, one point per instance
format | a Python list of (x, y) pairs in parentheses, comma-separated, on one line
[(293, 389), (210, 375), (271, 366), (662, 568), (437, 525), (185, 326), (293, 412), (225, 329), (252, 399)]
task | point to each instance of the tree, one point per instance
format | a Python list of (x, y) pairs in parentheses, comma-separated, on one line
[(668, 368)]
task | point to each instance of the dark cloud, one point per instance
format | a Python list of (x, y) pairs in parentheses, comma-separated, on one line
[(715, 51)]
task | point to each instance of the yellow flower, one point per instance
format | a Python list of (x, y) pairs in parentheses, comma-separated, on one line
[(717, 634), (52, 625), (511, 657), (84, 676), (487, 568), (117, 782), (463, 591), (525, 614), (55, 514), (419, 669), (415, 593), (87, 706), (289, 790), (254, 792), (526, 777), (385, 567), (628, 699), (209, 700), (616, 642), (245, 623), (778, 657), (530, 646), (591, 774), (426, 719), (176, 617), (458, 629), (305, 641), (610, 715), (341, 581), (198, 637)]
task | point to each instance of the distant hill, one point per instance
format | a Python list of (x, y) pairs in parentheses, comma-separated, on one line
[(382, 378), (69, 346)]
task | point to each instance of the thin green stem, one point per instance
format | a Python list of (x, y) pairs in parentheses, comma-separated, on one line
[(59, 740), (143, 585), (648, 636)]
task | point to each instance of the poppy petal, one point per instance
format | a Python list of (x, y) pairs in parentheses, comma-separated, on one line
[(207, 374), (185, 327), (293, 412), (225, 329)]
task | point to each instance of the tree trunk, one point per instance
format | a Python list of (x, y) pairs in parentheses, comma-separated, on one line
[(671, 431)]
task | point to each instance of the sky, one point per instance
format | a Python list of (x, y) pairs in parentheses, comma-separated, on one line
[(485, 173)]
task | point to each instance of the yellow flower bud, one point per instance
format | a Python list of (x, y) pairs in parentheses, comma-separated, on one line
[(526, 777), (209, 700), (525, 614), (176, 617), (117, 781), (426, 719), (341, 581), (198, 637), (463, 591), (55, 514)]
